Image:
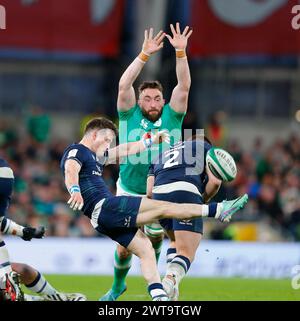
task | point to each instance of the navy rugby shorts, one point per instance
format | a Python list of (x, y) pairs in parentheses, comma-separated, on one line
[(193, 225), (117, 218)]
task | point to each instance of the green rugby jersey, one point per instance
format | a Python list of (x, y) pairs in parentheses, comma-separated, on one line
[(132, 126)]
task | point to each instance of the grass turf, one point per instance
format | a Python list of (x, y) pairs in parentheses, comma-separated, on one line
[(192, 289)]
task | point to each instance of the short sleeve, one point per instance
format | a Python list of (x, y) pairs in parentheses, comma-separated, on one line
[(76, 154), (124, 115), (175, 114)]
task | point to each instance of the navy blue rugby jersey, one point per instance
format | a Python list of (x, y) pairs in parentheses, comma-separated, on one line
[(185, 161), (92, 185)]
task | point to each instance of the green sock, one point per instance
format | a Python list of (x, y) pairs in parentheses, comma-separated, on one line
[(157, 248), (121, 268)]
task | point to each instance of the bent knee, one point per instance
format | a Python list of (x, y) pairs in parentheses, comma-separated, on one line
[(123, 253), (23, 269)]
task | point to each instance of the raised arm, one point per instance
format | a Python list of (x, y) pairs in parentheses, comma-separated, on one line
[(136, 147), (126, 95), (72, 169), (179, 98)]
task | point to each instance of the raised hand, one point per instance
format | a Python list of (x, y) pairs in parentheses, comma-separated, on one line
[(152, 45), (179, 40)]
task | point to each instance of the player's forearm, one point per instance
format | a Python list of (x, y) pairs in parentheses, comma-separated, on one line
[(131, 74), (71, 178), (183, 73), (139, 146), (124, 150), (130, 148)]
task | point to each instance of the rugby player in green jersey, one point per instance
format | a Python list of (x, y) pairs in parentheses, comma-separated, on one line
[(138, 115)]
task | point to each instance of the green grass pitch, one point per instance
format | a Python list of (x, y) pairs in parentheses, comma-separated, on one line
[(192, 289)]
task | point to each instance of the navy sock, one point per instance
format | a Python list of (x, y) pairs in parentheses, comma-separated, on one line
[(156, 291), (183, 261)]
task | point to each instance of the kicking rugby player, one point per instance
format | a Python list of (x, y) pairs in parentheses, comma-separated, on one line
[(120, 217)]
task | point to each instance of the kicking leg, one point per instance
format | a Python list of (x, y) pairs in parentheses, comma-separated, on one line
[(152, 210)]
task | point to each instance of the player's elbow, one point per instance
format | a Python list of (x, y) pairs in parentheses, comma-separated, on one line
[(185, 86), (149, 193), (123, 87)]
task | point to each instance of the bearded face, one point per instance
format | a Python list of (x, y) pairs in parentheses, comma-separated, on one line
[(151, 102)]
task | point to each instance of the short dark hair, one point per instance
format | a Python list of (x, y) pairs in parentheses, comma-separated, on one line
[(150, 84), (100, 123)]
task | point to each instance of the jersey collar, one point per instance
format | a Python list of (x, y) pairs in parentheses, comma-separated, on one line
[(148, 125)]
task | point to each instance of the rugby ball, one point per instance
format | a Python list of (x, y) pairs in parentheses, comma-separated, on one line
[(221, 164)]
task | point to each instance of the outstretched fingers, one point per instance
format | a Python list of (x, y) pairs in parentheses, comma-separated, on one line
[(159, 37), (173, 30), (189, 34), (185, 31), (151, 33)]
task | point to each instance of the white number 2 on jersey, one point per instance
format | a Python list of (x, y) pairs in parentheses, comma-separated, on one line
[(172, 161)]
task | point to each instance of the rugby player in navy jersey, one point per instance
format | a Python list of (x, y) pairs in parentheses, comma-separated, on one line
[(11, 274), (120, 216), (9, 283), (181, 175)]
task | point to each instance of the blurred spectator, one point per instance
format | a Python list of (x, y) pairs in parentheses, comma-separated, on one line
[(7, 134), (38, 125), (290, 202), (216, 130)]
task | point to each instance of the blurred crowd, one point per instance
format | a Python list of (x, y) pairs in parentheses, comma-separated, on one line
[(269, 174), (271, 177)]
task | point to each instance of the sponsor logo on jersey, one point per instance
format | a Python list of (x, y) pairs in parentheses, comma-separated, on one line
[(158, 123), (144, 123)]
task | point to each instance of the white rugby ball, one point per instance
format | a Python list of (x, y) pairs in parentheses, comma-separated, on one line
[(221, 164)]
